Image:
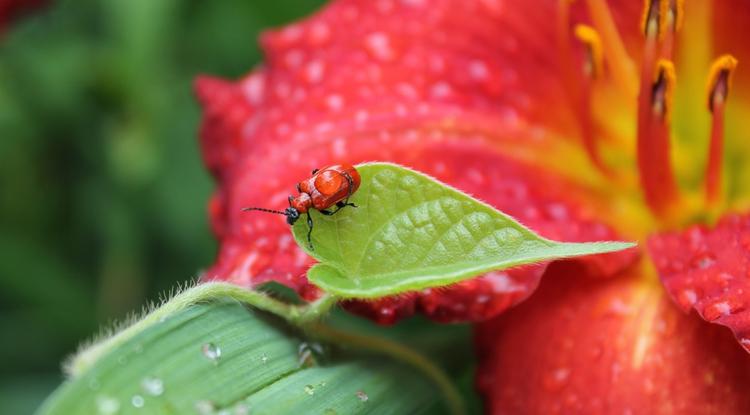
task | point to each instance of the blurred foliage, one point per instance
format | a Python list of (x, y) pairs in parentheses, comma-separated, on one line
[(102, 190)]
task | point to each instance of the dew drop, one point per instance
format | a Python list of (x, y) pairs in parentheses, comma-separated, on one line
[(137, 401), (241, 409), (264, 358), (94, 384), (106, 405), (307, 352), (362, 396), (211, 351), (205, 407), (310, 390), (152, 386), (556, 379)]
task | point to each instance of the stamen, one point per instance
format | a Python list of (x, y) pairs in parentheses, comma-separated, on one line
[(655, 166), (719, 82), (564, 50), (591, 71), (651, 20), (671, 21), (594, 61), (622, 67)]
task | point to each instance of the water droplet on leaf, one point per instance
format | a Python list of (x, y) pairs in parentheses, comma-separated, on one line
[(307, 354), (211, 351), (137, 401), (106, 405), (310, 390), (152, 386), (205, 407), (362, 396)]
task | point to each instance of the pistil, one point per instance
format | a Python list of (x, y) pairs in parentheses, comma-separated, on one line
[(718, 89)]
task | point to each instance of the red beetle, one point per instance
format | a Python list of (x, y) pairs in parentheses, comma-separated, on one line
[(327, 187)]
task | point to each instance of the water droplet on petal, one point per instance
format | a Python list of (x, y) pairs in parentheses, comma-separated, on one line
[(205, 407), (556, 379), (211, 351), (310, 390), (137, 401), (152, 386), (362, 396), (106, 405)]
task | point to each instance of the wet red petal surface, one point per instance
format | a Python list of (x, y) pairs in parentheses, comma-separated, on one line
[(592, 346), (709, 270), (455, 90)]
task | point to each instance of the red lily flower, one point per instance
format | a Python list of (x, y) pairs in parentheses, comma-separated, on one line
[(540, 109), (349, 85)]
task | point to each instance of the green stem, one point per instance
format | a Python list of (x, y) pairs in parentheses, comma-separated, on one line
[(313, 312), (400, 352)]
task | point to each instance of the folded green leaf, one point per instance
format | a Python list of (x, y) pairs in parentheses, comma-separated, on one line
[(222, 356), (411, 232)]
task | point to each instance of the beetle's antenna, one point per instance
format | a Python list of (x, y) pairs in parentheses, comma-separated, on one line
[(278, 212)]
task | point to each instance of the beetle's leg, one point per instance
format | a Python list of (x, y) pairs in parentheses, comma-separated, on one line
[(339, 206), (349, 193), (309, 231)]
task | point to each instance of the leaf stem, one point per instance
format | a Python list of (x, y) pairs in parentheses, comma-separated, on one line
[(399, 351), (313, 312)]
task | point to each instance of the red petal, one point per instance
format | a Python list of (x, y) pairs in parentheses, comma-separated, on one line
[(453, 89), (615, 346), (708, 270)]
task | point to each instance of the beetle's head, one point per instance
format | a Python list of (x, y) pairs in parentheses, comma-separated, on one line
[(292, 215)]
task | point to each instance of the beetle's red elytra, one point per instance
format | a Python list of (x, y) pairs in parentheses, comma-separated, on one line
[(327, 187)]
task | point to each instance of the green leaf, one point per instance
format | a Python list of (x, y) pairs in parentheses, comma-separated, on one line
[(411, 232), (222, 355)]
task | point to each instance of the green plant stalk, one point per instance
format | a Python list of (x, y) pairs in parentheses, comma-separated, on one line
[(307, 317)]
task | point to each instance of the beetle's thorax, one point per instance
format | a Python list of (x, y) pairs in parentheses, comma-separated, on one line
[(302, 202)]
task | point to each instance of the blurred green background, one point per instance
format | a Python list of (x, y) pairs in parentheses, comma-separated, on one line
[(102, 189)]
